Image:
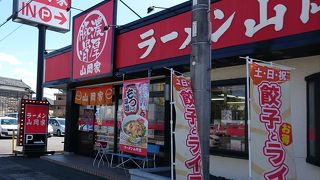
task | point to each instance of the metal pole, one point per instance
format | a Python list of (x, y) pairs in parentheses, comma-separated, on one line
[(13, 136), (200, 65), (171, 121), (41, 49), (248, 62)]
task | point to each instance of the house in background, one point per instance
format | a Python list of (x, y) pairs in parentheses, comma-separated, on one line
[(11, 91), (59, 105)]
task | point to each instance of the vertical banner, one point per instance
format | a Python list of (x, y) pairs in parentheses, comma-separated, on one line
[(188, 151), (134, 125), (271, 144)]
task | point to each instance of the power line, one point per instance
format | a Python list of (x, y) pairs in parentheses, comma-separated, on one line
[(21, 24), (11, 33), (15, 13), (130, 9)]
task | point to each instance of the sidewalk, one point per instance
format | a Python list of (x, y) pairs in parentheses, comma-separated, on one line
[(84, 164)]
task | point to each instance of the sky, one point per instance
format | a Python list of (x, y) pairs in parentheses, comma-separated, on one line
[(19, 43)]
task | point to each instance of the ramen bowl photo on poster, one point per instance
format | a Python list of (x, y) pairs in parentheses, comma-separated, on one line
[(135, 128)]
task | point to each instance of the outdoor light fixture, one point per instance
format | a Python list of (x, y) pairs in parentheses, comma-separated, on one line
[(46, 50), (107, 27), (151, 8), (69, 8)]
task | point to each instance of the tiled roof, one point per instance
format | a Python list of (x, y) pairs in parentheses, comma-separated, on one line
[(13, 82)]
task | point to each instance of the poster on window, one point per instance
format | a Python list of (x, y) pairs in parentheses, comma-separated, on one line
[(271, 144), (134, 124), (188, 150)]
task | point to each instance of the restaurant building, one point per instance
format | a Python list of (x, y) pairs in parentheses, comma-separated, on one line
[(286, 32)]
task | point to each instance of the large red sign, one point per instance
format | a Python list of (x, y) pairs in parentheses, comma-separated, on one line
[(33, 119), (36, 117), (52, 13), (234, 23), (92, 42)]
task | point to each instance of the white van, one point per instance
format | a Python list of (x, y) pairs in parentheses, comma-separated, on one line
[(7, 125)]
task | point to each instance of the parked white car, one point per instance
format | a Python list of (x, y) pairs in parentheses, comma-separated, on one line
[(58, 125), (50, 130), (7, 125), (14, 115)]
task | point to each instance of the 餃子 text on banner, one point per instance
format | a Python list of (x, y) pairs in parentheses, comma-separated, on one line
[(188, 151), (271, 144)]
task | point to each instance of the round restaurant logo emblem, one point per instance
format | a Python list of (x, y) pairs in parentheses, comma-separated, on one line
[(91, 37)]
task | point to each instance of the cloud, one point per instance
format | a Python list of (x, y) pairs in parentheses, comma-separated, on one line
[(28, 77), (8, 58), (25, 73)]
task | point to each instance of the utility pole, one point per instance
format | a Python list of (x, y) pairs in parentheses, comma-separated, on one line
[(200, 66)]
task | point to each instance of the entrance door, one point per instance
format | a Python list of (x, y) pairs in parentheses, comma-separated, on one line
[(85, 130), (104, 125)]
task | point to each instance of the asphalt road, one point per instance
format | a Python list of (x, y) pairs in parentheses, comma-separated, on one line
[(24, 168), (54, 144)]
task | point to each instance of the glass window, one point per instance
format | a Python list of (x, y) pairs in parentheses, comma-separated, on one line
[(228, 119), (104, 125), (313, 119), (8, 122), (156, 120), (86, 117)]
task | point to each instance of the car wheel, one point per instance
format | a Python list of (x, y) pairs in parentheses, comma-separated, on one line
[(58, 132)]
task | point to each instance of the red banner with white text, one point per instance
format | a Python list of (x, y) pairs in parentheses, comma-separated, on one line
[(92, 42), (234, 22)]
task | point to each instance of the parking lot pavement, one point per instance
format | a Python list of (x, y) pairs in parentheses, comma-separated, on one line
[(24, 168), (54, 144)]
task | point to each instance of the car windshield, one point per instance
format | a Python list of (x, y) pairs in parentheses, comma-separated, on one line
[(8, 121), (61, 121), (15, 115)]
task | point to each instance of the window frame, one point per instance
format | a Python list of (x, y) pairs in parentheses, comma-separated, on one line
[(315, 78), (226, 152)]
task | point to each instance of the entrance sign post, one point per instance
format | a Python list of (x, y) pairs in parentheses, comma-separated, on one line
[(41, 48), (52, 15), (33, 121)]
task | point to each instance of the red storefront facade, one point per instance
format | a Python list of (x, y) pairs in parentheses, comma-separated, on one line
[(271, 30)]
